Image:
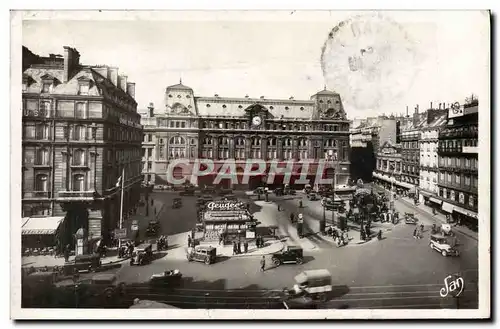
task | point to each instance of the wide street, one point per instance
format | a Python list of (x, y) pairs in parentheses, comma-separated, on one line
[(398, 271)]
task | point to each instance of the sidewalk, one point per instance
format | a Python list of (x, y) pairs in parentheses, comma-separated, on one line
[(51, 261), (178, 247), (440, 217)]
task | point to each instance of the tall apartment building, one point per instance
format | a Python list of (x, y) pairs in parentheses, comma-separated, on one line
[(458, 163), (221, 128), (429, 163), (80, 130)]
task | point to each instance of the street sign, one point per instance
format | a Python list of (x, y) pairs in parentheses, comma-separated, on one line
[(120, 233)]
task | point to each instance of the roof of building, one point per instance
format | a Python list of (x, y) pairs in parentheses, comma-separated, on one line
[(326, 92), (438, 121), (180, 86)]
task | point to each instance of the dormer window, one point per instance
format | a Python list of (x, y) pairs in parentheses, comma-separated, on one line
[(47, 82), (27, 80), (83, 85)]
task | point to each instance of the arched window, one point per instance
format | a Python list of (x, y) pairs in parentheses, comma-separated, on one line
[(287, 142), (79, 157), (239, 141), (78, 182), (207, 141), (42, 156), (223, 141), (272, 141), (177, 140), (302, 143), (41, 183), (256, 141)]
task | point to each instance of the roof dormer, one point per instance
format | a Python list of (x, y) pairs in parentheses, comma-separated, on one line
[(48, 82)]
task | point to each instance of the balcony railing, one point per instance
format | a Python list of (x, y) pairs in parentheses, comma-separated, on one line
[(456, 134), (450, 149), (37, 195), (76, 195)]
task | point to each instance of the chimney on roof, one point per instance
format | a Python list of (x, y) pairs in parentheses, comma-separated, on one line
[(113, 75), (216, 95), (131, 89), (102, 70), (122, 82), (261, 97), (71, 62), (431, 106), (151, 109), (291, 98)]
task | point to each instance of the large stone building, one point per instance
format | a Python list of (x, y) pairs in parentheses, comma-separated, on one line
[(80, 129), (429, 163), (458, 163), (221, 128)]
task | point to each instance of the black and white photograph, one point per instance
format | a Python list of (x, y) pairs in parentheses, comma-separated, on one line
[(286, 164)]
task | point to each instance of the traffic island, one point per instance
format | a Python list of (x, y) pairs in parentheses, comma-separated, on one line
[(270, 247)]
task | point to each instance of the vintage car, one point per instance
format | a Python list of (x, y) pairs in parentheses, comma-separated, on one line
[(142, 254), (207, 255), (410, 218), (177, 203), (446, 245), (83, 263), (312, 196), (167, 278), (291, 254), (153, 228), (315, 284)]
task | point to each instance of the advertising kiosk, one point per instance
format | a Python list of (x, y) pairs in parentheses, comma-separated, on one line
[(225, 217)]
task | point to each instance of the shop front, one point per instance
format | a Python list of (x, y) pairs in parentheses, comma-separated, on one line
[(225, 218), (465, 217), (41, 232)]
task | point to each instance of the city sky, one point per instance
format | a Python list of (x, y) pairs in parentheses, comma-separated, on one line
[(278, 54)]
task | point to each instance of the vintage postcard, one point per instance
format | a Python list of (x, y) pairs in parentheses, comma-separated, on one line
[(250, 164)]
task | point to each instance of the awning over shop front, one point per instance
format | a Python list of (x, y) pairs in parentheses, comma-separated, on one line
[(439, 202), (405, 185), (466, 212), (41, 225), (447, 207), (425, 193), (382, 177)]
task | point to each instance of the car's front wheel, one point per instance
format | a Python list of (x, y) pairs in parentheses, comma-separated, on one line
[(207, 261), (444, 253), (276, 262), (300, 260)]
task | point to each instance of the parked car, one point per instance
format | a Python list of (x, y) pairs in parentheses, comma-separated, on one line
[(291, 254), (444, 244), (207, 255), (88, 263), (312, 196), (314, 284)]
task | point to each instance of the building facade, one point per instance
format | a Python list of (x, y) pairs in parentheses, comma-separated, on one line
[(458, 164), (221, 128), (389, 166), (81, 129), (429, 163)]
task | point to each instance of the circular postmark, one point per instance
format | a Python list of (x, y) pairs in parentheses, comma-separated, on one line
[(370, 59)]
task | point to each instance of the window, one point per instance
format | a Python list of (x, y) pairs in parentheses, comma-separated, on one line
[(183, 124), (46, 87), (471, 201), (41, 183), (256, 141), (79, 133), (80, 110), (457, 179), (83, 89), (467, 181), (172, 124), (448, 178), (161, 152), (452, 195), (42, 131), (78, 182), (474, 182), (177, 124), (79, 158), (461, 198), (150, 166), (42, 157)]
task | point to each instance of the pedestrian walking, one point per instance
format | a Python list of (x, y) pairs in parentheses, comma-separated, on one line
[(245, 246), (239, 247), (415, 233), (220, 239), (279, 208), (235, 248), (292, 216), (66, 253), (263, 264), (189, 241)]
